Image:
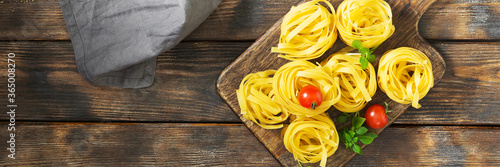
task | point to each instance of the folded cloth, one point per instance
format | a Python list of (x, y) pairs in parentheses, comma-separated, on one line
[(116, 41)]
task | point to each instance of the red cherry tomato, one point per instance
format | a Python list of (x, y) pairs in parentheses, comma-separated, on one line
[(310, 97), (376, 117)]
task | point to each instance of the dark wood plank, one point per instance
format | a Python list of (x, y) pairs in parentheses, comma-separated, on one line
[(51, 89), (432, 146), (32, 20), (49, 86), (461, 20), (241, 19), (258, 57), (469, 91), (110, 144), (99, 144), (249, 19), (232, 20)]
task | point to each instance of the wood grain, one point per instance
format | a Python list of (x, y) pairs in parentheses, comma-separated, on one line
[(51, 89), (127, 144), (468, 93), (461, 20), (258, 57), (249, 19), (164, 144), (32, 20), (433, 146), (49, 86)]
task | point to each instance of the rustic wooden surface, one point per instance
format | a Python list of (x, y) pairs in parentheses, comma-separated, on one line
[(258, 57), (194, 144), (457, 125), (136, 144), (448, 19)]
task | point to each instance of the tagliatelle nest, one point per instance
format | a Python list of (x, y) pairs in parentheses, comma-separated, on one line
[(357, 85), (307, 31), (369, 21), (295, 75), (405, 75), (256, 100), (311, 139)]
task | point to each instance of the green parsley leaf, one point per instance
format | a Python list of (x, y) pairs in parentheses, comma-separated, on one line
[(356, 149), (347, 137), (364, 62), (371, 58), (351, 133), (350, 136), (366, 139), (341, 119), (344, 133), (361, 131), (356, 44), (358, 121), (372, 135), (364, 51)]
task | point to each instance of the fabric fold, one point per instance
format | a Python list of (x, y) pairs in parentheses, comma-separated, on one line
[(116, 42)]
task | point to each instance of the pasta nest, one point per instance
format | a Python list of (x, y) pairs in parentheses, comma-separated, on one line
[(357, 85), (257, 103), (307, 31), (405, 75), (369, 21), (293, 76), (311, 139)]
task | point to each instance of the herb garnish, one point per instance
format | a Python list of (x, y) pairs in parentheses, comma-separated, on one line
[(356, 133), (366, 53)]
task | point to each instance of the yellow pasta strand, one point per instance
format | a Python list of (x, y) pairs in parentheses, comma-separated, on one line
[(357, 85), (369, 21), (307, 31), (255, 97), (295, 75), (405, 75), (311, 139)]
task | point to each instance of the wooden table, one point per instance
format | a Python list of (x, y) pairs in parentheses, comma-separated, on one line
[(61, 120)]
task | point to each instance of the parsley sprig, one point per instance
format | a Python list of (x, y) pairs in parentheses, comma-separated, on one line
[(366, 53), (357, 132)]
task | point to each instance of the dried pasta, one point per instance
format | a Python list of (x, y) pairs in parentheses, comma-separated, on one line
[(311, 139), (255, 97), (405, 75), (357, 85), (307, 31), (293, 76), (369, 21)]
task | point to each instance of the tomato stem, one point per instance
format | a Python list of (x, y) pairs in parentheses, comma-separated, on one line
[(387, 111), (314, 105)]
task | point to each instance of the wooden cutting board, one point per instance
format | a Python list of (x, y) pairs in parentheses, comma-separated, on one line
[(258, 57)]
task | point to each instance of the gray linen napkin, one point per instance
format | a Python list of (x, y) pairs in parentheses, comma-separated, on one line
[(116, 41)]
